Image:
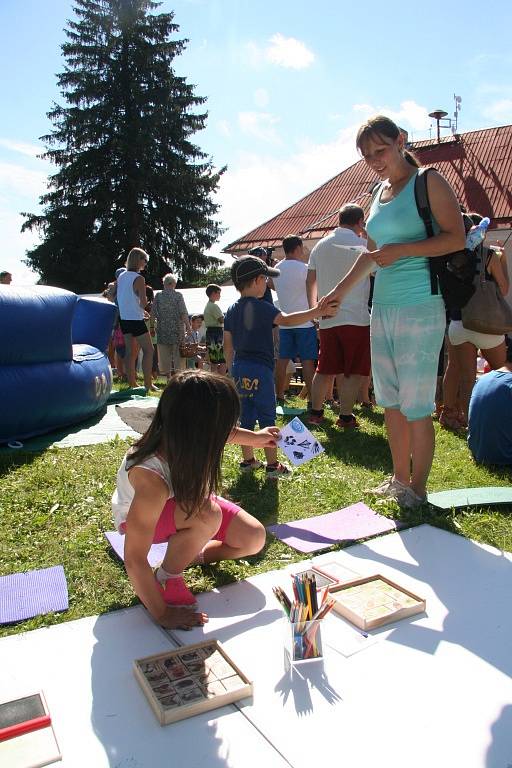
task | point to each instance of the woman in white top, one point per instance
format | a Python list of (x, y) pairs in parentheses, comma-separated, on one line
[(131, 301)]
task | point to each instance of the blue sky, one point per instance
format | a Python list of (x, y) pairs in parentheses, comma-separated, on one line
[(287, 84)]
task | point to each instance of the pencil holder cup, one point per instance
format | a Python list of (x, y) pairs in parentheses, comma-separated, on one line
[(303, 641)]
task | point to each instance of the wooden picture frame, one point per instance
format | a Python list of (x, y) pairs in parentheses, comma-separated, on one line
[(189, 680), (372, 601)]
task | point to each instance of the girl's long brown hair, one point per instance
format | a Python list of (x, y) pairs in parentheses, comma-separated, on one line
[(382, 127), (195, 416)]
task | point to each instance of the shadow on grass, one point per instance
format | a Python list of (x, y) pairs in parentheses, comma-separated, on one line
[(501, 473), (357, 447), (375, 417), (255, 494), (11, 460)]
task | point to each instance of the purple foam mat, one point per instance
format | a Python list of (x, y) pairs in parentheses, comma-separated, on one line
[(348, 524), (24, 595), (155, 555)]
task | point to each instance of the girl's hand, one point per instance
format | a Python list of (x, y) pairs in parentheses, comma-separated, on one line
[(334, 297), (387, 255), (327, 307), (181, 618), (267, 437)]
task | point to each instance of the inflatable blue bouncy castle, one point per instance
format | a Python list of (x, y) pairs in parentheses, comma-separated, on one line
[(53, 368)]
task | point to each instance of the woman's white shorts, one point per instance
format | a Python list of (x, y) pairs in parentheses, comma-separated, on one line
[(458, 335)]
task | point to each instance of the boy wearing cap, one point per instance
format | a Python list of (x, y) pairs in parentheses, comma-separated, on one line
[(249, 351)]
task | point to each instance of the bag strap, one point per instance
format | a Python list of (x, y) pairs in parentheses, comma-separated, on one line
[(375, 191), (422, 201), (425, 213)]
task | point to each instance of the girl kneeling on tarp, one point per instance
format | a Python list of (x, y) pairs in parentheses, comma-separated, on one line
[(166, 492)]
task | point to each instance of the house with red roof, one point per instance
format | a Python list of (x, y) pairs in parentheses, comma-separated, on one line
[(478, 165)]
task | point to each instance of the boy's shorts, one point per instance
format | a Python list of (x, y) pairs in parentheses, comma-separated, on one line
[(298, 342), (214, 345), (255, 386), (405, 344), (344, 349), (166, 525)]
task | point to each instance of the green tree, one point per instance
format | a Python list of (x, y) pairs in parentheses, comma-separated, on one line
[(128, 173), (219, 274)]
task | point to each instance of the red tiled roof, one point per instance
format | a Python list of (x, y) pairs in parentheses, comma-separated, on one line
[(478, 165)]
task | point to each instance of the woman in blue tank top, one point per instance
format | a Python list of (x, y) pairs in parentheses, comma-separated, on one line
[(407, 322)]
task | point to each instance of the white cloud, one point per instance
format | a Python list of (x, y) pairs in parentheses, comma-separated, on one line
[(20, 180), (14, 245), (21, 188), (261, 97), (289, 52), (257, 187), (499, 111), (362, 108), (260, 125), (410, 115), (224, 128), (282, 51), (32, 150)]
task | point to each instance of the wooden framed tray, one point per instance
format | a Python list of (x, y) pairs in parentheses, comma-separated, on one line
[(336, 572), (189, 680), (373, 601)]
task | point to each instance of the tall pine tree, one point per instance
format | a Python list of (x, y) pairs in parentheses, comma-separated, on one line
[(128, 173)]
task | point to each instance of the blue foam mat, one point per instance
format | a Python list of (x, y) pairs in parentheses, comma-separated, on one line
[(486, 496)]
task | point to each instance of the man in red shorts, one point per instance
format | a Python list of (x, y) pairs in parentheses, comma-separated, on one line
[(344, 338)]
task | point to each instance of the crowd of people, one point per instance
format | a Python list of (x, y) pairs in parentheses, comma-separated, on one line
[(167, 483), (227, 373)]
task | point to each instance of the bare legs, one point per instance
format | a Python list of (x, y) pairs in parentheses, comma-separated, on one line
[(308, 370), (464, 361), (244, 536), (348, 389), (145, 343), (129, 360), (270, 454), (412, 448)]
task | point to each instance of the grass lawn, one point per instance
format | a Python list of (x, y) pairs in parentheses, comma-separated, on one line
[(55, 506)]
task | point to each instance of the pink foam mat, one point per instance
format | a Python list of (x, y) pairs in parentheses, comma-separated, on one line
[(155, 555), (348, 524)]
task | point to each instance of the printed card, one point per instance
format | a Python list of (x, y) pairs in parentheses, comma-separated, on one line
[(297, 442)]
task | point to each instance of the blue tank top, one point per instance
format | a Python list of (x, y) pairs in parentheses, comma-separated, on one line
[(407, 281)]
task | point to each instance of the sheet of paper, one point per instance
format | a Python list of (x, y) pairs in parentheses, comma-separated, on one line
[(298, 444), (345, 639)]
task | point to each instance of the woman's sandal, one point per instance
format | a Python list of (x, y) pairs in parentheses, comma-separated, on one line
[(450, 419)]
